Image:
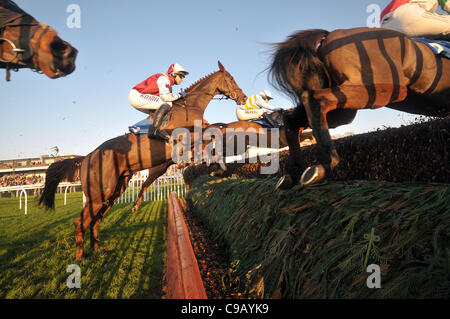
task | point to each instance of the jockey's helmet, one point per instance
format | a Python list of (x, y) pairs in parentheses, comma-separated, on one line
[(266, 93), (176, 68)]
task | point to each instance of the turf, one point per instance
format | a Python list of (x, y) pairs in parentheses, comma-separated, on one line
[(317, 241), (37, 248)]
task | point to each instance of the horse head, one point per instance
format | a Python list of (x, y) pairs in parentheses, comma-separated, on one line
[(229, 87), (27, 43)]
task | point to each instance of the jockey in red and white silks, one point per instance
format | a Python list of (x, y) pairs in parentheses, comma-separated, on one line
[(417, 18), (255, 106), (155, 93), (151, 93)]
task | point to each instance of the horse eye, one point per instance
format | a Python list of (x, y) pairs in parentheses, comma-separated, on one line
[(58, 46)]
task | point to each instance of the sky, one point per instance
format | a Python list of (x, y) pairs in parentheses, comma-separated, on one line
[(121, 43)]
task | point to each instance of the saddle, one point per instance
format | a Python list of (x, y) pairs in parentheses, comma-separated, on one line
[(277, 117), (439, 47), (143, 126)]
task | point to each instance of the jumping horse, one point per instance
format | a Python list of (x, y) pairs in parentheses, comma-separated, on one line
[(331, 75), (201, 93), (105, 172), (27, 43), (242, 128)]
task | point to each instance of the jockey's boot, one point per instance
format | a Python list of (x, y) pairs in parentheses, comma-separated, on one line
[(158, 118), (269, 119)]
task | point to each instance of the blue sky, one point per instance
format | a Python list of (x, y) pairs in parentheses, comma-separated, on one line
[(121, 43)]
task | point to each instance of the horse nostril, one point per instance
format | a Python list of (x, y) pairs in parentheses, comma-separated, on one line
[(59, 47)]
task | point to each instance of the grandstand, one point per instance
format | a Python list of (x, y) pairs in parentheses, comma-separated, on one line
[(26, 171)]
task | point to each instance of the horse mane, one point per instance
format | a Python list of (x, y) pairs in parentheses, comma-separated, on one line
[(296, 65), (196, 83), (9, 11)]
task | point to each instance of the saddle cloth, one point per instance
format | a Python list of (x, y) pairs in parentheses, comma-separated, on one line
[(264, 123), (439, 47), (143, 126), (140, 127)]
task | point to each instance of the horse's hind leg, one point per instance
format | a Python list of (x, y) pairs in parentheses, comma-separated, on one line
[(81, 224), (94, 226), (328, 157), (154, 173), (106, 207)]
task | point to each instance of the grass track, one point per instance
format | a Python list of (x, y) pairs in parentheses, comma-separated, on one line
[(35, 250)]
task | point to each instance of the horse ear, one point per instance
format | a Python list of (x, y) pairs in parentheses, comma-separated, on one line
[(220, 66)]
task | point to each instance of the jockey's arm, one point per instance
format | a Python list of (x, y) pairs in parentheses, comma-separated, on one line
[(263, 104), (164, 90)]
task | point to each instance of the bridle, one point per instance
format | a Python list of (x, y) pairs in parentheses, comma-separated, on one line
[(21, 48), (232, 91)]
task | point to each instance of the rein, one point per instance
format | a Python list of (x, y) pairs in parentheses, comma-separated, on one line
[(185, 107), (16, 48)]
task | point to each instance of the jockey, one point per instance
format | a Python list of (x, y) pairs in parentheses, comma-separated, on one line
[(155, 93), (257, 106), (417, 18)]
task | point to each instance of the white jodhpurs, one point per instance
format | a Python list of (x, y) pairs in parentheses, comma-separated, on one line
[(145, 103), (415, 21), (249, 114)]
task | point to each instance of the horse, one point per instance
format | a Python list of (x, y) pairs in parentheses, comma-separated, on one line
[(27, 43), (243, 130), (332, 75), (106, 171), (244, 126)]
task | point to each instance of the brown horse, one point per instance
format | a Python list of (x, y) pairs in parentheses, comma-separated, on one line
[(331, 75), (27, 43), (245, 127), (242, 130), (105, 172)]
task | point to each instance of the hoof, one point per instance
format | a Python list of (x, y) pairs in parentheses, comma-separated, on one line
[(134, 209), (285, 182), (312, 175)]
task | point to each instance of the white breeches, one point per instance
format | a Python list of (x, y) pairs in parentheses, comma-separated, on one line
[(249, 114), (145, 103), (414, 21)]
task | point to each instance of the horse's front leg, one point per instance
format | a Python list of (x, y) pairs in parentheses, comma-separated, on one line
[(296, 163), (328, 157)]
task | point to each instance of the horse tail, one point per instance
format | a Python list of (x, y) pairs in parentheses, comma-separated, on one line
[(296, 65), (56, 173)]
